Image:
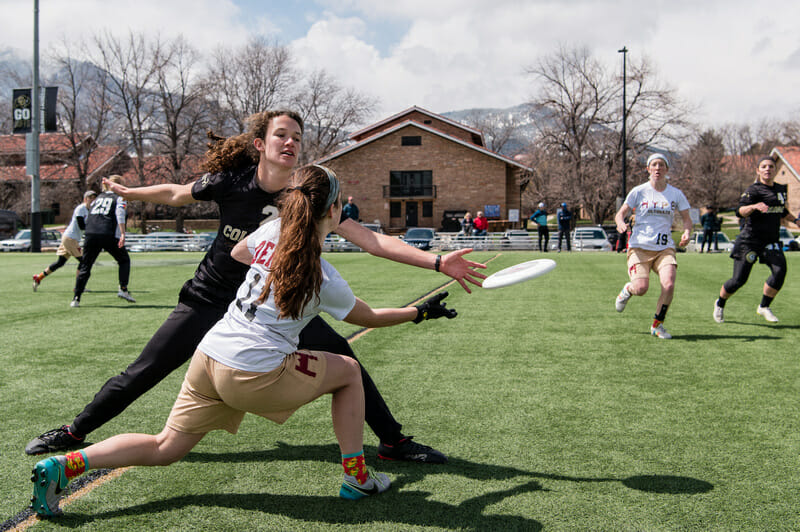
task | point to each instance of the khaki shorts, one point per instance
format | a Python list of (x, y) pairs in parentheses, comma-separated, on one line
[(215, 396), (641, 261), (69, 247)]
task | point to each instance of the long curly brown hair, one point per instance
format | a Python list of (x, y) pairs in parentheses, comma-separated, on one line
[(295, 270), (231, 153)]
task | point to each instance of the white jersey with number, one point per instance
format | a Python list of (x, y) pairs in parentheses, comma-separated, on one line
[(73, 230), (654, 212), (250, 336)]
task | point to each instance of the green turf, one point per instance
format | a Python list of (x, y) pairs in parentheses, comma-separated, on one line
[(556, 411)]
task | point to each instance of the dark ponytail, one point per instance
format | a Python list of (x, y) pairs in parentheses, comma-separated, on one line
[(295, 270)]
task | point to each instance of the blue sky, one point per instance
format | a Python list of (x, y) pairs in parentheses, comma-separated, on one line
[(735, 60)]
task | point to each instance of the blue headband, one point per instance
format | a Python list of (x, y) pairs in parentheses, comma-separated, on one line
[(334, 186)]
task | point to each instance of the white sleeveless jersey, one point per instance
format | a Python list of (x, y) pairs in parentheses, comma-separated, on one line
[(654, 212), (250, 336)]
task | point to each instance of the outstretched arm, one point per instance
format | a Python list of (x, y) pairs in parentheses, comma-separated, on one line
[(165, 194), (452, 264), (432, 308)]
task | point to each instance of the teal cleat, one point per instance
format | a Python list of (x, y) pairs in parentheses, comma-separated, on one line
[(49, 481), (375, 484)]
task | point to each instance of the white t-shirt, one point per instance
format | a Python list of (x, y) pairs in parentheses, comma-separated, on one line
[(73, 230), (250, 336), (654, 212)]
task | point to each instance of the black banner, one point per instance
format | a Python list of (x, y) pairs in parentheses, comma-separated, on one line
[(21, 105)]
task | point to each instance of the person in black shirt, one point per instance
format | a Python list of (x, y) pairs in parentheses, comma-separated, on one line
[(761, 208), (105, 230), (246, 174)]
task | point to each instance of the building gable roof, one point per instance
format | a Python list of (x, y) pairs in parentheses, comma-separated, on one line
[(790, 156), (365, 132), (434, 131)]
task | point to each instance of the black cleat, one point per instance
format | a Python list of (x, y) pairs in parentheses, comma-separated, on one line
[(410, 451), (60, 439)]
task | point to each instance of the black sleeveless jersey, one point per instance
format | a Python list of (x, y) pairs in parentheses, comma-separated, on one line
[(762, 228), (243, 206), (102, 219)]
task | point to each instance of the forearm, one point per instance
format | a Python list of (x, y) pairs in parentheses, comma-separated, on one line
[(385, 246), (164, 194), (365, 316)]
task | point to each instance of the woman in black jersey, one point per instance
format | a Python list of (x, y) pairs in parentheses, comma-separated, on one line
[(761, 209), (246, 173)]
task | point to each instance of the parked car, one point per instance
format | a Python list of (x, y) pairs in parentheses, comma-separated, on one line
[(159, 241), (786, 238), (519, 239), (373, 227), (696, 243), (22, 240), (420, 237), (199, 242), (593, 238)]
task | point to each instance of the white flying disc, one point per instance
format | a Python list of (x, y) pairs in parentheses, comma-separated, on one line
[(523, 271)]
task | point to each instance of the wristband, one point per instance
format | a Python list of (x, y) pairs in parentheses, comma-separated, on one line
[(438, 263)]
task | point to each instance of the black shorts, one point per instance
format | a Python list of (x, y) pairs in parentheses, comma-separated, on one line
[(769, 254)]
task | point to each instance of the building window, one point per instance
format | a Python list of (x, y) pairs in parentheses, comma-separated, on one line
[(427, 209), (395, 209), (411, 183), (427, 121), (411, 141)]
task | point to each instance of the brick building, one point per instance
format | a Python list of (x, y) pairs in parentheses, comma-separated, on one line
[(788, 172), (415, 167), (61, 189)]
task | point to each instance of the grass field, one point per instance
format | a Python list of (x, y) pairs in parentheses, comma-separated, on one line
[(557, 413)]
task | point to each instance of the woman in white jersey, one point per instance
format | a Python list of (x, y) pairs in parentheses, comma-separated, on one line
[(651, 247), (249, 362)]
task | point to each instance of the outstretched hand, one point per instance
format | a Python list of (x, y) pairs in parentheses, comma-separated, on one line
[(461, 269), (116, 188), (433, 308)]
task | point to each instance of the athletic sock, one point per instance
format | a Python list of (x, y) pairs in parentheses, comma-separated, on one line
[(721, 302), (76, 464), (656, 323), (626, 290), (766, 301), (661, 315), (355, 466)]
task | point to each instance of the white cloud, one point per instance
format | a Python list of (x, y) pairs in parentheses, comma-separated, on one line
[(737, 59)]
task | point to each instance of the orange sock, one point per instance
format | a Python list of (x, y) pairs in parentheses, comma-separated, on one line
[(355, 466)]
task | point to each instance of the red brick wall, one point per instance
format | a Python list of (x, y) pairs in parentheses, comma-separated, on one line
[(464, 178)]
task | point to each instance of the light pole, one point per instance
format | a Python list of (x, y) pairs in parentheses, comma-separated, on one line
[(624, 52)]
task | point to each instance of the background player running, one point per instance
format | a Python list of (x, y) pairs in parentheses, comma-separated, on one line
[(71, 239), (761, 208)]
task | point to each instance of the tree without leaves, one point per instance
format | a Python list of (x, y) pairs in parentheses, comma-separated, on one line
[(250, 79), (704, 179), (328, 111), (133, 64), (583, 114), (183, 113), (84, 108), (497, 128)]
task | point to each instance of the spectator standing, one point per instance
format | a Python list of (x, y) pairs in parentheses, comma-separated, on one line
[(540, 219), (761, 209), (105, 230), (709, 221), (564, 216), (350, 210), (71, 239), (480, 225), (466, 224)]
